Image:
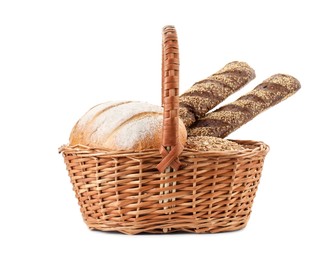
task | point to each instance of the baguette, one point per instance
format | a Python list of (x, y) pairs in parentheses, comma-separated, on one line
[(230, 117), (208, 93)]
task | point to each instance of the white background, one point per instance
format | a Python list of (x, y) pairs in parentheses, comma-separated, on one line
[(59, 58)]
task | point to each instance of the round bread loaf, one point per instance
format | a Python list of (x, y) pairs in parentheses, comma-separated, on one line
[(128, 125)]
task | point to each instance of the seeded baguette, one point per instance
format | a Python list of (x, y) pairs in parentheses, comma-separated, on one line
[(208, 93), (230, 117)]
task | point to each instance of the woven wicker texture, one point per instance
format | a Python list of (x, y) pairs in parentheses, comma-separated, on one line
[(124, 191), (214, 191), (171, 147)]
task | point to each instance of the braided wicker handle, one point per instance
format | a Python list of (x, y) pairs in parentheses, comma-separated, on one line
[(171, 148)]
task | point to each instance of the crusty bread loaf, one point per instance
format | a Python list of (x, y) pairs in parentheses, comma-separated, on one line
[(208, 93), (125, 125), (230, 117)]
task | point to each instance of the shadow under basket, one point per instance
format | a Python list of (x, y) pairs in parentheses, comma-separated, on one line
[(123, 191)]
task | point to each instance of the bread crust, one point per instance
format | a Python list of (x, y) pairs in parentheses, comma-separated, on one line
[(228, 118), (128, 125), (208, 93)]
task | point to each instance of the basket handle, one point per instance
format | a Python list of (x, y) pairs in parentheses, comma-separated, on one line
[(170, 148)]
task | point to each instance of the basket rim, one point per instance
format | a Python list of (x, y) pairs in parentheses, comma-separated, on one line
[(83, 150)]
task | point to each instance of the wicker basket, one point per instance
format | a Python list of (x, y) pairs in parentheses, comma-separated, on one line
[(170, 190)]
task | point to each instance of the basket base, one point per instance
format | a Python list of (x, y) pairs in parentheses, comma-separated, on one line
[(198, 227), (167, 231)]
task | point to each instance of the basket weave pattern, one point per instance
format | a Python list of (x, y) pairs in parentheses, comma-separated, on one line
[(152, 191), (214, 191)]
